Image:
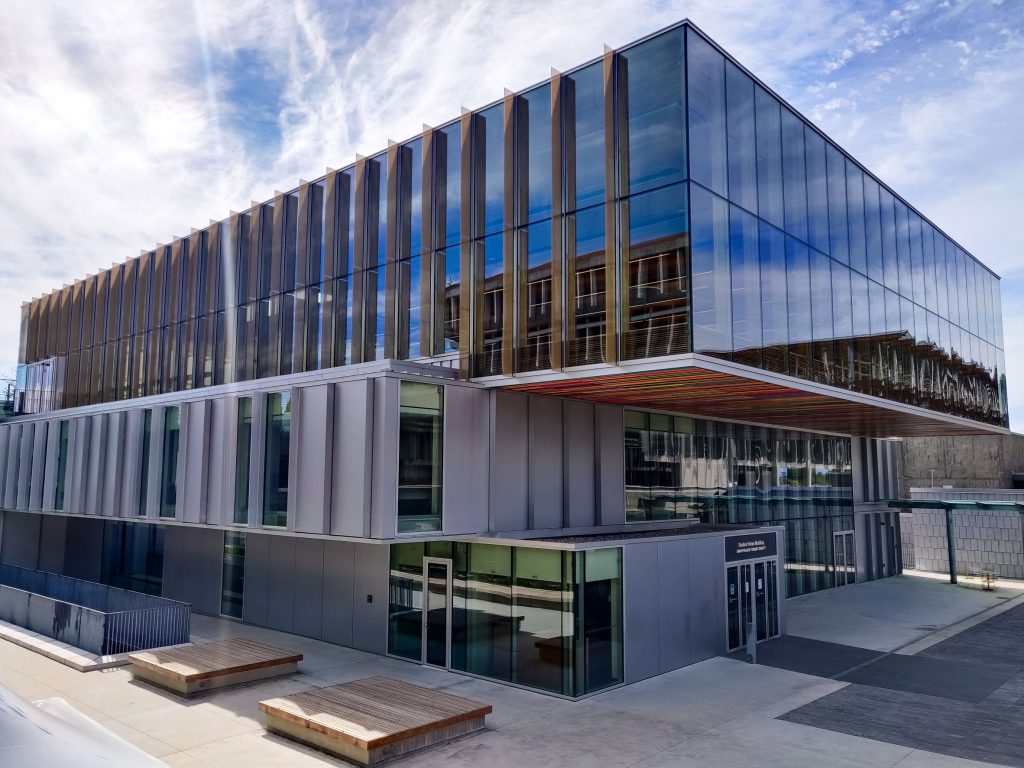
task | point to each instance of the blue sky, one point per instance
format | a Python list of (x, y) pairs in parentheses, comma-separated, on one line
[(131, 123)]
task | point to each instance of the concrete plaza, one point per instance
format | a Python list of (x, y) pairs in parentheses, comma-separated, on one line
[(721, 712)]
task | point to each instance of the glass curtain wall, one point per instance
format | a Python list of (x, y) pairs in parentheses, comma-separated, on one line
[(420, 446), (845, 282), (719, 472), (656, 318), (700, 157), (276, 463), (584, 238), (542, 618)]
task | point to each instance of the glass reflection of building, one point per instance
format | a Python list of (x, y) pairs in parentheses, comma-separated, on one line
[(540, 618), (719, 472)]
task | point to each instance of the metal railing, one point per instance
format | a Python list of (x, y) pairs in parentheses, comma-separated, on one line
[(93, 617)]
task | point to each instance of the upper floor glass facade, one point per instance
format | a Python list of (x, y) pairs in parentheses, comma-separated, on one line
[(656, 202)]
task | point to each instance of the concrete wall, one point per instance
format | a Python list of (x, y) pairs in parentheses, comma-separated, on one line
[(329, 590), (674, 603), (974, 461), (511, 462), (554, 464)]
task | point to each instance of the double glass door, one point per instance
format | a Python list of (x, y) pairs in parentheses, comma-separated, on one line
[(844, 562), (437, 612), (752, 596)]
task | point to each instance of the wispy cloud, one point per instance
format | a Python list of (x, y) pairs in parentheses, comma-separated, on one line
[(133, 122)]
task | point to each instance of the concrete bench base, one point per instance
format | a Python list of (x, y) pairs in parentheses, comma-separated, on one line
[(365, 755)]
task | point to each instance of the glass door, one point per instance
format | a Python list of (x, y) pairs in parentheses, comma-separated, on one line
[(752, 595), (843, 558), (437, 612)]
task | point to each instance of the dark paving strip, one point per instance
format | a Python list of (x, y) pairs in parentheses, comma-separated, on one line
[(811, 657), (997, 640), (988, 731), (960, 680)]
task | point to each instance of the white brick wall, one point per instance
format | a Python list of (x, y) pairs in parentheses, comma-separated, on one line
[(984, 540)]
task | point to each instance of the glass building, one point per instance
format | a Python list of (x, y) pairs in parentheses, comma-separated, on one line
[(563, 393)]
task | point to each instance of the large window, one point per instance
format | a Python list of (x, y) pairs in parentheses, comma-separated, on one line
[(243, 447), (62, 465), (275, 472), (133, 556), (233, 574), (169, 464), (147, 429), (657, 318), (720, 472), (420, 443), (541, 618)]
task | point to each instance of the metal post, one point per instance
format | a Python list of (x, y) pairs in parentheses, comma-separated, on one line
[(950, 546), (752, 642)]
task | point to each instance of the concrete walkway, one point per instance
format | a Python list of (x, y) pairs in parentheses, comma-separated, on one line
[(888, 614), (717, 713)]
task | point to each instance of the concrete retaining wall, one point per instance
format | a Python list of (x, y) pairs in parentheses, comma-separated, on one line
[(71, 624)]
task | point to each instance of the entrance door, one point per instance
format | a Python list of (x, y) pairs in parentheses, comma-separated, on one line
[(437, 612), (752, 595), (843, 558)]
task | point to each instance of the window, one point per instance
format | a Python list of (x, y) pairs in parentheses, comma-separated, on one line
[(657, 317), (541, 618), (420, 441), (133, 556), (656, 128), (243, 444), (147, 428), (62, 465), (233, 574), (275, 483), (169, 476), (720, 472)]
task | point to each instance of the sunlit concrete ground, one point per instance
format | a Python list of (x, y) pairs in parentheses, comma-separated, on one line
[(717, 713), (889, 614)]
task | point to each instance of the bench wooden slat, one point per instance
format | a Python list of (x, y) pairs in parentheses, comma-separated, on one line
[(374, 712), (216, 658)]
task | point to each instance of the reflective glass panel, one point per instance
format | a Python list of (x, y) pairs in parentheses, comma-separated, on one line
[(657, 318), (276, 459), (243, 446), (535, 116), (706, 104), (588, 109), (169, 470), (769, 156), (656, 129), (794, 175), (420, 440), (710, 279)]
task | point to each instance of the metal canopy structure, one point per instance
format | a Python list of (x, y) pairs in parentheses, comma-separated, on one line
[(948, 507)]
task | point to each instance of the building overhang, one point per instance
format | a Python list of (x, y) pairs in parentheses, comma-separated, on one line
[(705, 387)]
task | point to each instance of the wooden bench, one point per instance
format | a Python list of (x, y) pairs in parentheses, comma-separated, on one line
[(192, 669), (373, 720)]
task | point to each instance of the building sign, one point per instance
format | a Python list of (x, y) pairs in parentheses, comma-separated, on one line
[(750, 546)]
